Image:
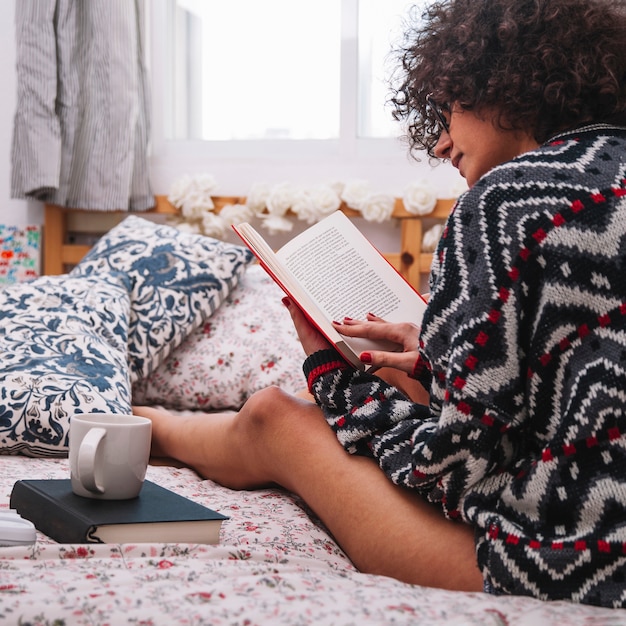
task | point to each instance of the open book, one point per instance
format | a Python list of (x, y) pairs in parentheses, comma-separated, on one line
[(332, 271)]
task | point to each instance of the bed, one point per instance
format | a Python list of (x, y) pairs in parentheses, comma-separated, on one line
[(200, 332)]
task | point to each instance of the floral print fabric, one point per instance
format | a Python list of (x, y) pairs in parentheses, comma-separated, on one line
[(248, 344), (275, 564), (177, 281), (63, 349)]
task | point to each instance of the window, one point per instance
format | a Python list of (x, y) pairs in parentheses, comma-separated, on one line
[(268, 90), (249, 74), (379, 27)]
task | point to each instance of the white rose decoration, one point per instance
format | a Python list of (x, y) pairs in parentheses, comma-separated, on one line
[(431, 238), (337, 186), (205, 184), (257, 197), (191, 228), (302, 206), (378, 207), (316, 203), (458, 188), (236, 213), (280, 199), (178, 190), (325, 200), (213, 226), (192, 195), (195, 204), (276, 224), (355, 192), (419, 198)]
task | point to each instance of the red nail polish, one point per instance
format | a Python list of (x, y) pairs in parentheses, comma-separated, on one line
[(286, 301), (365, 357)]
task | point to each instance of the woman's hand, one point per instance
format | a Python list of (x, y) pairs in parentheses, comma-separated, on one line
[(405, 335), (310, 338)]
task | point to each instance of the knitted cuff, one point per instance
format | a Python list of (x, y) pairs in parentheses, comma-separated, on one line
[(321, 362), (418, 369)]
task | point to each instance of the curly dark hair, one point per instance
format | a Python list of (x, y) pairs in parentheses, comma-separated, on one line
[(545, 65)]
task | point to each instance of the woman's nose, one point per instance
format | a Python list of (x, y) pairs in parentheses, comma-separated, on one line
[(443, 145)]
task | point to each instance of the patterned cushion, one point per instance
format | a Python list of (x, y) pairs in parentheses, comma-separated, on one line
[(248, 344), (63, 349), (178, 279)]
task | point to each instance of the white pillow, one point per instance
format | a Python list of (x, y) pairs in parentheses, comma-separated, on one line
[(63, 349), (247, 345), (177, 280)]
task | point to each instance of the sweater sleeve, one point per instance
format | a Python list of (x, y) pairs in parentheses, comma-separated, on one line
[(464, 435), (370, 417), (408, 440)]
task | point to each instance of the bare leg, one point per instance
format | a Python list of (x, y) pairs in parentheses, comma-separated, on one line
[(279, 439)]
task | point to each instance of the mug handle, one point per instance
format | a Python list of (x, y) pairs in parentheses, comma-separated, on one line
[(86, 463)]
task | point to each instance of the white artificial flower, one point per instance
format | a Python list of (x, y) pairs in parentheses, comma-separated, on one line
[(178, 190), (195, 204), (191, 228), (193, 195), (204, 184), (378, 207), (337, 186), (280, 199), (302, 206), (458, 187), (315, 203), (257, 197), (236, 213), (355, 193), (276, 224), (419, 198), (325, 199), (431, 238), (213, 226)]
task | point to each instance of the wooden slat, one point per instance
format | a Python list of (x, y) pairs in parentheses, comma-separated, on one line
[(410, 261), (53, 239), (73, 253)]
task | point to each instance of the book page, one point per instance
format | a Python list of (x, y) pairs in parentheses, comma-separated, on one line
[(347, 277), (332, 271)]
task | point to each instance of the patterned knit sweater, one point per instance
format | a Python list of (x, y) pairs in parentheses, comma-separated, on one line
[(523, 349)]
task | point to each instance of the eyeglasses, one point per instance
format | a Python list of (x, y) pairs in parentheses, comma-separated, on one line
[(438, 111)]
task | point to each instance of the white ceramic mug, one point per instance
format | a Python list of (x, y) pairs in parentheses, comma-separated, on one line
[(109, 455)]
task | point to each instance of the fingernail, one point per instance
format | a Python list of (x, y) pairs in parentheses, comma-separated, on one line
[(365, 357), (286, 301)]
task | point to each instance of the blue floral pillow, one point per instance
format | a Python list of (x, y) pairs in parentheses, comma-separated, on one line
[(63, 350), (177, 281)]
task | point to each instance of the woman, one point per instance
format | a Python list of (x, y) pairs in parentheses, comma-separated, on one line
[(503, 453)]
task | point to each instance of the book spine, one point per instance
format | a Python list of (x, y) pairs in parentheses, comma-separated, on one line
[(48, 515)]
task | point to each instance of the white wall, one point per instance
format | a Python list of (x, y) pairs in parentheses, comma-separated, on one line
[(234, 176), (13, 212)]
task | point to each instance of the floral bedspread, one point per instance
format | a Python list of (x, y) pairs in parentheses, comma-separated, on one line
[(275, 564)]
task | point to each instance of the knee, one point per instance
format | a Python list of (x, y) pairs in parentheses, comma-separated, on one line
[(272, 413), (264, 412)]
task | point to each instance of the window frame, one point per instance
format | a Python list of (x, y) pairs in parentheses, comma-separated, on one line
[(237, 165)]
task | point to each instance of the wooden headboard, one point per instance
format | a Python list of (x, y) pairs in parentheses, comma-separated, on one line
[(410, 261)]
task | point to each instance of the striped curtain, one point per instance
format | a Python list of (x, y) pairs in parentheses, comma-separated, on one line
[(81, 126)]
